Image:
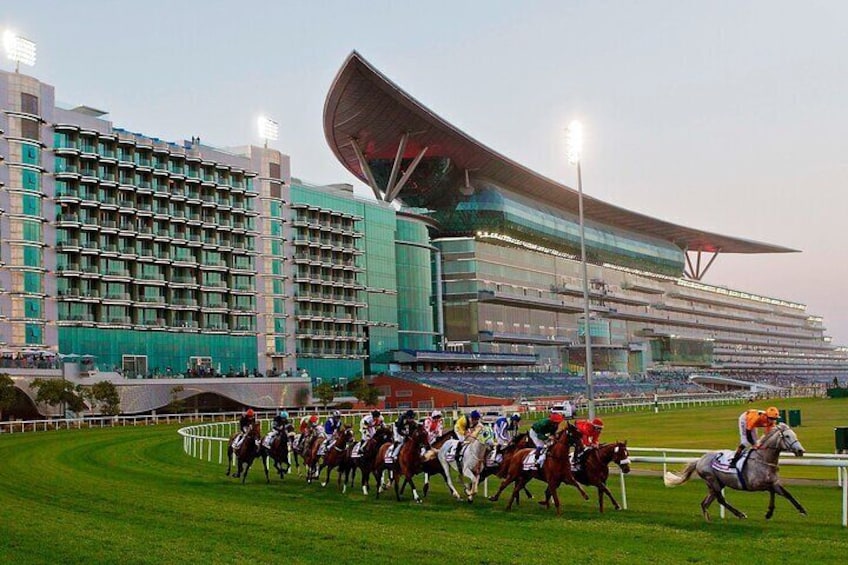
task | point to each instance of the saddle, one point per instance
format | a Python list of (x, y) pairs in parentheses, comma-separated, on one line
[(450, 455)]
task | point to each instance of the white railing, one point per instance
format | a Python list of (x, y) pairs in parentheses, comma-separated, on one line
[(827, 460)]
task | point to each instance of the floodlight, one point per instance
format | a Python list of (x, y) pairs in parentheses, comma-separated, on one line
[(574, 142), (19, 49), (268, 128)]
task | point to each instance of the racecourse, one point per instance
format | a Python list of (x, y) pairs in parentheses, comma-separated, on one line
[(131, 495)]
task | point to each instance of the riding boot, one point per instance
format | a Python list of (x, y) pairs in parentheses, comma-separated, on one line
[(737, 455)]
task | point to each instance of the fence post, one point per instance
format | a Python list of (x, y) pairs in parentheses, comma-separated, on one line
[(623, 491)]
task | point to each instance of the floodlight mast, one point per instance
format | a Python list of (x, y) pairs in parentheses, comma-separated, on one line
[(574, 140), (268, 129), (19, 49)]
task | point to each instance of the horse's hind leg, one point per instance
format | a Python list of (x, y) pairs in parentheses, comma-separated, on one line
[(778, 488), (504, 483), (265, 468), (705, 504), (723, 502)]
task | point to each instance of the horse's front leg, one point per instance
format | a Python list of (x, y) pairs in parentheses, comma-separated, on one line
[(504, 483), (329, 470), (265, 468), (606, 490), (572, 481), (229, 460), (414, 490), (770, 511), (552, 487), (779, 489), (520, 482)]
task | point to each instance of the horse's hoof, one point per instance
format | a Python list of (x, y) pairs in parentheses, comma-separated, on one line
[(743, 516), (493, 499), (323, 484)]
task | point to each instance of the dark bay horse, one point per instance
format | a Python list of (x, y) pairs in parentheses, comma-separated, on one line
[(410, 460), (759, 472), (367, 460), (555, 470), (246, 452), (520, 441), (594, 468), (278, 452), (338, 455)]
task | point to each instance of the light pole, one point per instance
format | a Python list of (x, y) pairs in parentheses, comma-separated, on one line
[(574, 137)]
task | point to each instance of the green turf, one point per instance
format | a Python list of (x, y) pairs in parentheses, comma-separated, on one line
[(130, 495)]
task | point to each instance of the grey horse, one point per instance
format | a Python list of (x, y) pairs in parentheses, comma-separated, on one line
[(759, 472)]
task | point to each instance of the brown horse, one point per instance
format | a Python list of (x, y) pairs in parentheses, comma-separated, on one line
[(338, 455), (594, 468), (309, 452), (246, 452), (431, 464), (278, 452), (410, 460), (367, 460), (555, 470)]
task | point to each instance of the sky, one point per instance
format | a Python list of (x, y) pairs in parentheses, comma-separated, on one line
[(728, 116)]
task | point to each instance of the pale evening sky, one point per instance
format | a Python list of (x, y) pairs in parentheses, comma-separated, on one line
[(727, 116)]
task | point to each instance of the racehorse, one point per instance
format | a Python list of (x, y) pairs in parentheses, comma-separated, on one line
[(594, 464), (555, 470), (338, 455), (408, 462), (246, 452), (520, 441), (431, 464), (367, 460), (758, 473), (278, 452), (309, 452), (470, 465)]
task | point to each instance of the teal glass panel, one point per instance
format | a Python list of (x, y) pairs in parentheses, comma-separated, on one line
[(31, 180), (31, 204), (34, 334), (32, 230), (30, 154), (33, 307), (279, 325), (33, 256), (33, 282)]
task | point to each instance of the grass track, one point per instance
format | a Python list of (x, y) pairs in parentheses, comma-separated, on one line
[(130, 495)]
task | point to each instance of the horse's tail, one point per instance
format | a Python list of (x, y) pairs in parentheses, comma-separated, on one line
[(673, 479)]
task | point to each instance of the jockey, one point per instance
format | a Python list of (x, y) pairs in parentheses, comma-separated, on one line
[(749, 421), (590, 431), (434, 425), (543, 429), (369, 424), (505, 429), (245, 423), (401, 430), (331, 426), (307, 424), (466, 430), (278, 427)]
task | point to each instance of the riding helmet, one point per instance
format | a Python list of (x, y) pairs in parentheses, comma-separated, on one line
[(556, 418), (515, 417), (772, 412), (436, 414), (284, 414), (409, 414), (375, 413), (598, 423), (249, 413), (313, 419), (475, 415), (337, 414)]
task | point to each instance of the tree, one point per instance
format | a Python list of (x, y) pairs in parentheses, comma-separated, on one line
[(106, 394), (177, 404), (58, 392), (325, 393), (301, 397), (7, 393), (365, 393)]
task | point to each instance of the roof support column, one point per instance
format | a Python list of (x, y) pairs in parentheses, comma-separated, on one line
[(695, 272), (366, 169), (396, 189), (396, 165)]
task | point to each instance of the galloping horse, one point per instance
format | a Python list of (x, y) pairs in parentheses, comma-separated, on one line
[(758, 473), (408, 463), (367, 460), (338, 455), (246, 452), (472, 463), (520, 441), (431, 464), (555, 470), (594, 468), (278, 452)]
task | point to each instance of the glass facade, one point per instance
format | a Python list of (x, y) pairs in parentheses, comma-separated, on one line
[(414, 284)]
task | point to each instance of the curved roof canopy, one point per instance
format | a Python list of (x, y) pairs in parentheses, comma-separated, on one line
[(365, 106)]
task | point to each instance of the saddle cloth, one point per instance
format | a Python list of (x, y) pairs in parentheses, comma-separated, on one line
[(493, 458), (450, 454), (721, 462), (356, 452), (530, 462)]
